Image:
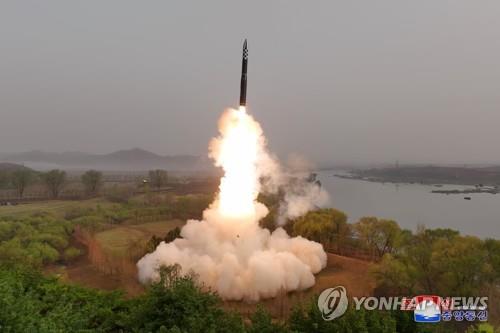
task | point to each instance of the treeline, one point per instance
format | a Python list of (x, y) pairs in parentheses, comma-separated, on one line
[(369, 238), (428, 261), (31, 302), (54, 181), (442, 262)]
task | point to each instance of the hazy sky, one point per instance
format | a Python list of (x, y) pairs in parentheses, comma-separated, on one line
[(340, 81)]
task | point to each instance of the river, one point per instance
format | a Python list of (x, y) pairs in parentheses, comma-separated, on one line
[(414, 204)]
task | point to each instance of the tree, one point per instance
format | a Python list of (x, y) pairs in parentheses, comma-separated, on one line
[(190, 206), (119, 194), (21, 179), (262, 322), (307, 318), (461, 265), (176, 301), (158, 178), (395, 276), (71, 253), (4, 179), (378, 236), (409, 269), (31, 302), (481, 328), (492, 247), (440, 262), (438, 233), (54, 180), (327, 226), (92, 180)]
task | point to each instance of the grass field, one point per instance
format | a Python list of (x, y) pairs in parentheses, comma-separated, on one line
[(117, 241)]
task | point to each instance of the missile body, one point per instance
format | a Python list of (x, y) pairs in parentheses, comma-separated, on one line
[(243, 85)]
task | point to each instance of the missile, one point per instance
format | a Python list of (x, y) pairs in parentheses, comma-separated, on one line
[(243, 85)]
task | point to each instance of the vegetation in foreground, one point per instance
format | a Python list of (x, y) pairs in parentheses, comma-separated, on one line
[(440, 261), (31, 302)]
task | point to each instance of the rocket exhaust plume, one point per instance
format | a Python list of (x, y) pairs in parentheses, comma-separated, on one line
[(228, 251)]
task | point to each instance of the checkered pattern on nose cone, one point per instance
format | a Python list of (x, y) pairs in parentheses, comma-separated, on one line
[(245, 53)]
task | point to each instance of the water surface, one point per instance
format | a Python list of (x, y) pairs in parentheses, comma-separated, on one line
[(413, 204)]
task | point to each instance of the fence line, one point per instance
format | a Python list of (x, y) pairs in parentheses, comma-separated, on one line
[(12, 196)]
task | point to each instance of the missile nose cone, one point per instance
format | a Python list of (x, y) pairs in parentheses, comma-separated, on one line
[(245, 50)]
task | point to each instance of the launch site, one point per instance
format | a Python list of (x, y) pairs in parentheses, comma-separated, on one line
[(230, 166)]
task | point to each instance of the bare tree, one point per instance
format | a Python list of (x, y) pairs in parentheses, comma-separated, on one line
[(158, 178), (21, 179), (54, 180), (92, 180)]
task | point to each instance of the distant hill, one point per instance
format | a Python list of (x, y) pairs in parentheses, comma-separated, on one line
[(124, 160), (10, 167)]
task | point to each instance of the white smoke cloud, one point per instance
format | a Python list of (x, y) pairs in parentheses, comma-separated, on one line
[(300, 199), (300, 190), (239, 261), (228, 251)]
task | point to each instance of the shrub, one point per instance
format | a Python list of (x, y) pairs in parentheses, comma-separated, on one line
[(75, 212), (71, 253), (119, 194), (92, 223)]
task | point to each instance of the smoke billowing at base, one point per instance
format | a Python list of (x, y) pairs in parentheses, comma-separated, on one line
[(228, 251)]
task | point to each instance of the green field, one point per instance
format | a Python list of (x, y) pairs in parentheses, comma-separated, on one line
[(116, 239)]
